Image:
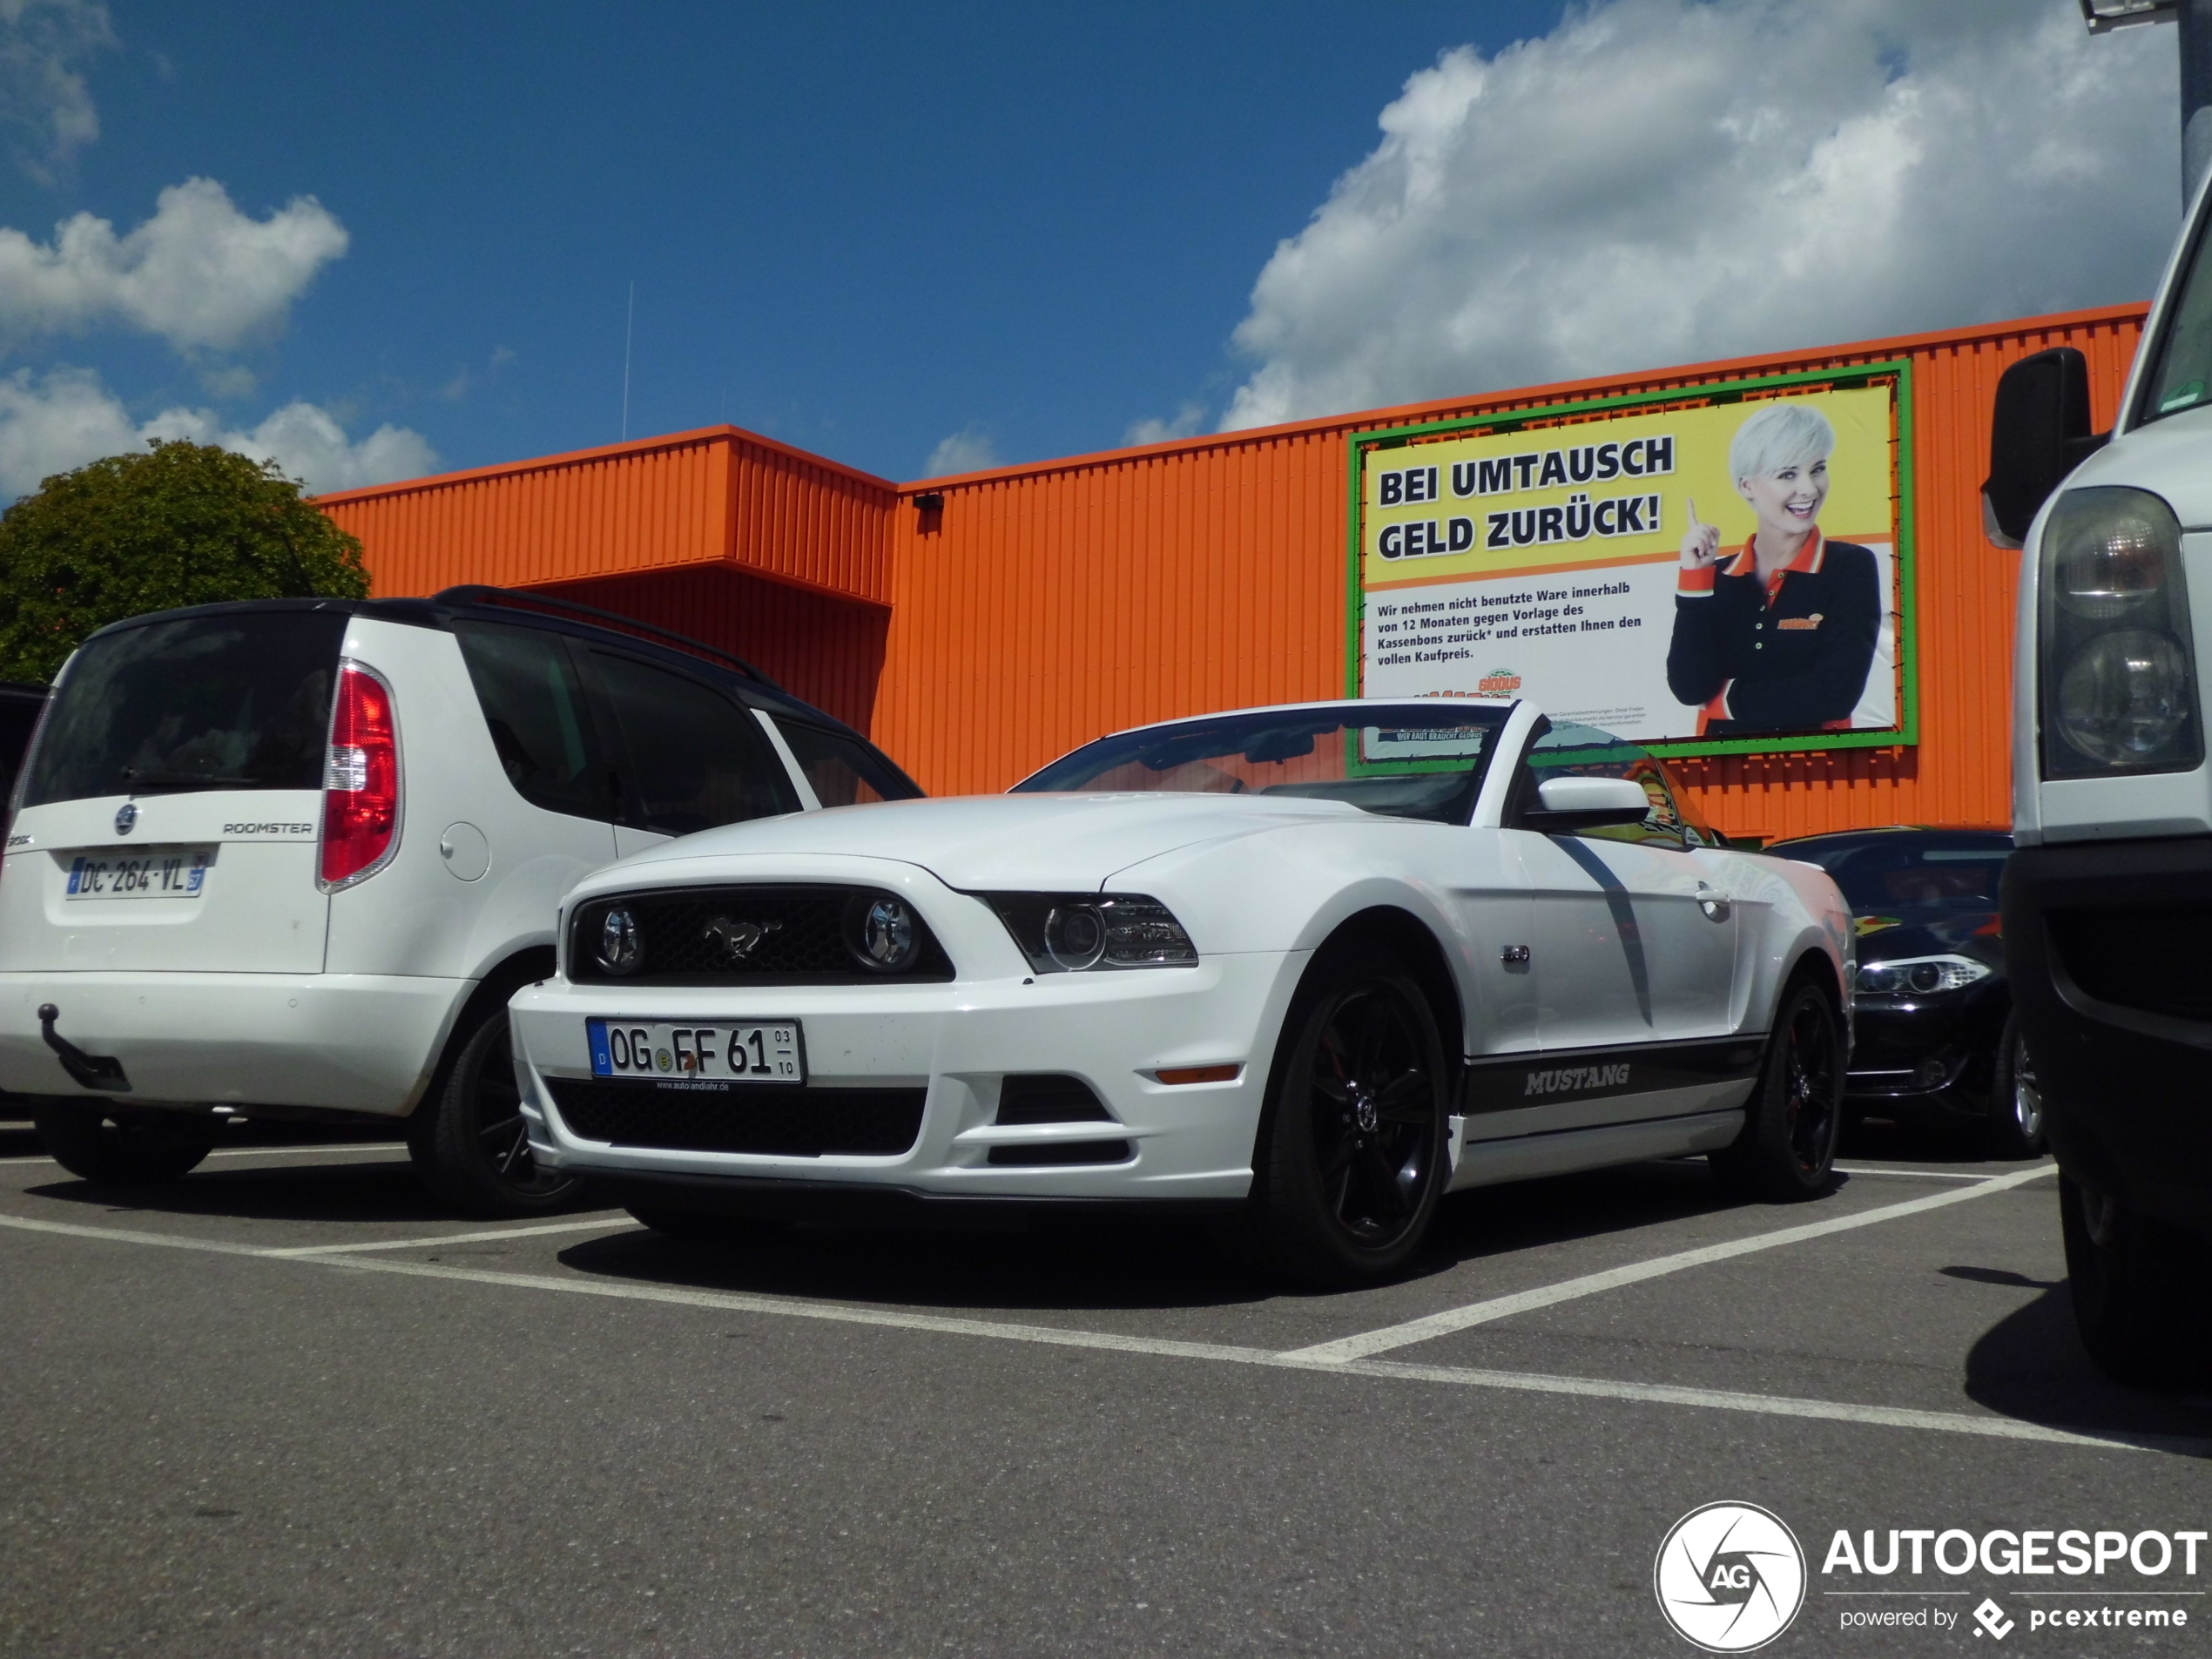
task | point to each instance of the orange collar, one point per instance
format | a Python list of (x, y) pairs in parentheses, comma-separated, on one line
[(1807, 563)]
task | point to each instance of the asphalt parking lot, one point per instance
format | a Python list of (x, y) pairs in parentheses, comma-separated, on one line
[(283, 1406)]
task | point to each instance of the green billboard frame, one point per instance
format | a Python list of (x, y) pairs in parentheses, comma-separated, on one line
[(1905, 734)]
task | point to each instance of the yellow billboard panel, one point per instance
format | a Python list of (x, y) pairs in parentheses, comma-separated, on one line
[(1722, 572)]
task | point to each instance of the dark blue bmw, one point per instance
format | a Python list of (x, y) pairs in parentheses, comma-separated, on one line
[(1937, 1037)]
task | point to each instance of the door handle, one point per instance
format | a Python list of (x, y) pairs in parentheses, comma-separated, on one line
[(1713, 902)]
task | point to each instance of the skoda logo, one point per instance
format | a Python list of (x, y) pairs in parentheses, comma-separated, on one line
[(737, 939), (1729, 1577), (125, 815)]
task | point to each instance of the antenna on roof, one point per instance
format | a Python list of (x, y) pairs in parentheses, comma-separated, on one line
[(629, 332)]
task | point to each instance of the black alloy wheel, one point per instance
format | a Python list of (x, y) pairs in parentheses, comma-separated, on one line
[(2015, 1126), (1352, 1161), (126, 1145), (471, 1144), (1787, 1151)]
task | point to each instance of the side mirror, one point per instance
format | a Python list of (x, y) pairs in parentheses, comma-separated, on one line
[(1570, 804), (2039, 434)]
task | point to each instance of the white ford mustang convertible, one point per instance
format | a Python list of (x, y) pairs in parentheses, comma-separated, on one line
[(1314, 966)]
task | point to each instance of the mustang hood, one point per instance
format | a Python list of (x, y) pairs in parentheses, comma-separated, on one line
[(1019, 842)]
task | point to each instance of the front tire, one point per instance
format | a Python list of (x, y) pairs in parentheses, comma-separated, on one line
[(2135, 1285), (1351, 1161), (1787, 1151), (470, 1143), (2015, 1128), (125, 1145)]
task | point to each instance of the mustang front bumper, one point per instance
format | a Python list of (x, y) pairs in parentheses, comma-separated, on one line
[(1114, 1031)]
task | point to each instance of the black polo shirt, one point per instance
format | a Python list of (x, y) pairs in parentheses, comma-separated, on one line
[(1794, 661)]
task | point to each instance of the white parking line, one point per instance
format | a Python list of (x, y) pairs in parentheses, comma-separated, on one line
[(1988, 1427), (1433, 1326), (604, 1223), (274, 1151), (1924, 1175)]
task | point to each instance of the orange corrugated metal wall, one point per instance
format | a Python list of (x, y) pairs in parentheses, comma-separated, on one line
[(1045, 605), (827, 650), (719, 496)]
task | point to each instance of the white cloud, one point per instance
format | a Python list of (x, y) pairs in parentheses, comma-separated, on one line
[(1191, 418), (969, 449), (46, 110), (61, 420), (1661, 181), (200, 273)]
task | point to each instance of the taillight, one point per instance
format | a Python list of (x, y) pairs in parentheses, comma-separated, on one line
[(360, 798)]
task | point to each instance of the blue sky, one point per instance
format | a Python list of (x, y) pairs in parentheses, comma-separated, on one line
[(859, 229), (1032, 229)]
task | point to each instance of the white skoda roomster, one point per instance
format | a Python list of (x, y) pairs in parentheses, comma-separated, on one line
[(1317, 965)]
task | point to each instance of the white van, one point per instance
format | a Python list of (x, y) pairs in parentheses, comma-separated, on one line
[(289, 859), (2107, 903)]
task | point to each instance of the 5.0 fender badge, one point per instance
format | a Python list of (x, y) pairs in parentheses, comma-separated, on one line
[(125, 816)]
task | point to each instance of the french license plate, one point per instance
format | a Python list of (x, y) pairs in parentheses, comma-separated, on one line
[(683, 1053), (156, 873)]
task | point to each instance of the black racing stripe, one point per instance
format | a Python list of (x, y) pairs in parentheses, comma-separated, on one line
[(1510, 1081)]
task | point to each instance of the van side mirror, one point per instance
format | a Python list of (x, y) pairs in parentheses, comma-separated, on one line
[(2039, 434)]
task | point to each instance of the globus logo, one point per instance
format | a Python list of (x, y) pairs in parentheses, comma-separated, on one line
[(1729, 1577), (1499, 682)]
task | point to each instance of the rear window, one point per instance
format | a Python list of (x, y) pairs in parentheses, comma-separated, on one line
[(235, 702), (534, 707)]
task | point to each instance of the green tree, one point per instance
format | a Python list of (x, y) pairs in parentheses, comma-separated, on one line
[(183, 524)]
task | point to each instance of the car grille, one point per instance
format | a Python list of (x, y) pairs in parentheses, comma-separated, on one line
[(792, 1122), (791, 935), (1049, 1097), (2137, 957), (1061, 1154)]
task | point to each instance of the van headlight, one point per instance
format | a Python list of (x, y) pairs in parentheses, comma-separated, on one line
[(1077, 933), (2115, 653)]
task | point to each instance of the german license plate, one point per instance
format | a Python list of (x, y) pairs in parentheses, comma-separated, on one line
[(154, 872), (720, 1054)]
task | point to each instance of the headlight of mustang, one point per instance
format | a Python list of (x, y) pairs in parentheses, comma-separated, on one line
[(1077, 933), (1921, 976)]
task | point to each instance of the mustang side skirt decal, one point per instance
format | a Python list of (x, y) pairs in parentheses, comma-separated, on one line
[(1507, 1082)]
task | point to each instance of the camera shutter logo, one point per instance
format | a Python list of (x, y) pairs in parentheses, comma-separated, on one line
[(1729, 1577)]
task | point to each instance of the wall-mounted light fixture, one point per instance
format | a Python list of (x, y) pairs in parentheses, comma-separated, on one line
[(2105, 15)]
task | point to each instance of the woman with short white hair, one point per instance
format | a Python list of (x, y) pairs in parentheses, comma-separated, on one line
[(1778, 635)]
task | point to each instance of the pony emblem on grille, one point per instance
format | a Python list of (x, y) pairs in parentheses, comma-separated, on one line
[(737, 939)]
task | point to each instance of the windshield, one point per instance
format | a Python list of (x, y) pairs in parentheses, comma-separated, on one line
[(225, 702), (1947, 872), (1405, 759), (2179, 374)]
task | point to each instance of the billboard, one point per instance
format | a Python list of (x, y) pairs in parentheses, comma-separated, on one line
[(1725, 571)]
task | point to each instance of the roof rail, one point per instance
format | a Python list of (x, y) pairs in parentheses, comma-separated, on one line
[(522, 599)]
